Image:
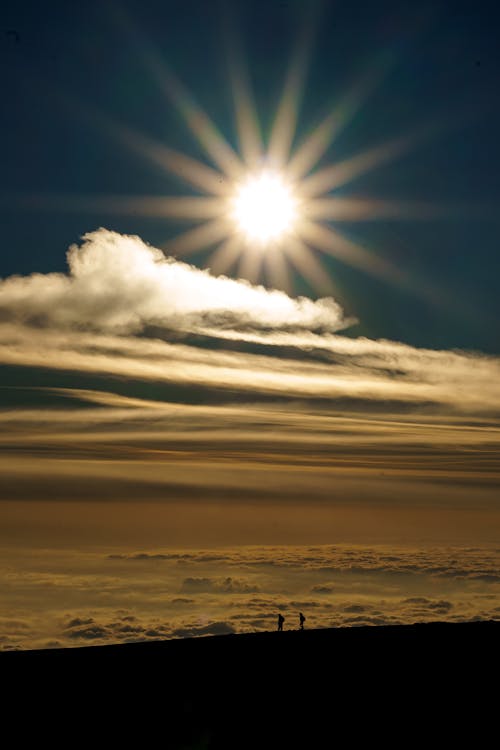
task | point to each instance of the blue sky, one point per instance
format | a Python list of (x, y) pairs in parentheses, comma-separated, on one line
[(65, 64)]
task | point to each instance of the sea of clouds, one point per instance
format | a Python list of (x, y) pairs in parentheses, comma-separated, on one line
[(69, 598)]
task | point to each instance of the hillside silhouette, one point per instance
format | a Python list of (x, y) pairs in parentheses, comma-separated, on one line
[(398, 686)]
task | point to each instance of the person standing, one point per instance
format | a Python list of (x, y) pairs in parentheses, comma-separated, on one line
[(281, 620), (302, 620)]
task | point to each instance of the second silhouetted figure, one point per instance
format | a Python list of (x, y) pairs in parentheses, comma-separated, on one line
[(302, 620), (281, 620)]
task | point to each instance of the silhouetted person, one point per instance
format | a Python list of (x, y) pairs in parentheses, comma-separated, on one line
[(302, 620), (281, 620)]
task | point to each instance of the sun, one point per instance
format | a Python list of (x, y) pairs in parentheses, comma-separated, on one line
[(264, 208), (269, 205)]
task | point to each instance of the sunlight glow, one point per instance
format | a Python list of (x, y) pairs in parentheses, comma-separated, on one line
[(264, 208), (273, 193)]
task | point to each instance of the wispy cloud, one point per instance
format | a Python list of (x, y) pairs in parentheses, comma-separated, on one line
[(319, 367)]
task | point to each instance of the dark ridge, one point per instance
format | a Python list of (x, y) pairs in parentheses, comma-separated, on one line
[(421, 685)]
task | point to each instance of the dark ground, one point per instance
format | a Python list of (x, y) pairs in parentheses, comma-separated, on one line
[(426, 685)]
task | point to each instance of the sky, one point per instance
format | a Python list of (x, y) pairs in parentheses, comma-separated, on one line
[(202, 427)]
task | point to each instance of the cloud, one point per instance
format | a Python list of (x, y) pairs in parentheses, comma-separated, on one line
[(117, 283), (90, 632), (448, 564), (124, 627), (128, 629), (214, 628), (356, 608), (78, 622), (220, 585), (441, 606), (123, 307)]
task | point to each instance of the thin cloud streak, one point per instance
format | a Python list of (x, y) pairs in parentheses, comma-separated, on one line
[(375, 372)]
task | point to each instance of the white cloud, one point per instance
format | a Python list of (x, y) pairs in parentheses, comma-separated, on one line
[(118, 283)]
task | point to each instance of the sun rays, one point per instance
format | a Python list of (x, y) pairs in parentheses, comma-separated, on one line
[(271, 208)]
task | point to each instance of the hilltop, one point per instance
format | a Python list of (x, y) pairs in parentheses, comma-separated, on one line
[(394, 685)]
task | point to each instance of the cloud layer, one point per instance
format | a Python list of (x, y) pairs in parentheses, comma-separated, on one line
[(123, 307)]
